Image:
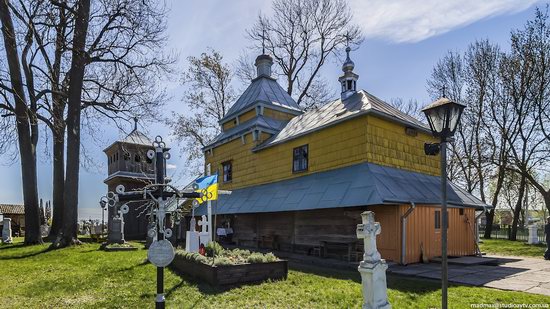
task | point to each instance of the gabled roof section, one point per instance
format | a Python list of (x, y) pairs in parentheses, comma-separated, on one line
[(340, 110), (265, 124), (265, 90), (362, 184)]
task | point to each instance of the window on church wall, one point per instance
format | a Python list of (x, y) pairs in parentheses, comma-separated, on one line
[(300, 159), (227, 168), (137, 158), (349, 84)]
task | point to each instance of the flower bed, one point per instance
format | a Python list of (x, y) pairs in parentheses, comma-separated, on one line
[(230, 267)]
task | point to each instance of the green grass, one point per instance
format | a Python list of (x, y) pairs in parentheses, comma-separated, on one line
[(85, 277), (515, 248)]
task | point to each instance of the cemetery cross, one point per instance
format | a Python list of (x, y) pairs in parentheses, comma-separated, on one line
[(161, 252)]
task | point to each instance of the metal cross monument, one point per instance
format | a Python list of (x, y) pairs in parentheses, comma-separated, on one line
[(162, 198)]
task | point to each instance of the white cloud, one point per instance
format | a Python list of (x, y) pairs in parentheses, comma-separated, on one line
[(409, 21), (171, 166)]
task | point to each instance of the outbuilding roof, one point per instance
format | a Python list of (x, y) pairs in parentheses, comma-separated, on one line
[(12, 209), (360, 103), (357, 185), (263, 89)]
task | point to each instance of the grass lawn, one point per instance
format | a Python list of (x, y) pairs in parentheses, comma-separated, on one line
[(85, 277), (508, 247)]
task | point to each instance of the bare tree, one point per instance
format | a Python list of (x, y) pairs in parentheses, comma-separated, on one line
[(26, 124), (479, 154), (209, 95), (301, 36)]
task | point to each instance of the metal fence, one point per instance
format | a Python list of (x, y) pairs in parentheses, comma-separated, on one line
[(504, 233)]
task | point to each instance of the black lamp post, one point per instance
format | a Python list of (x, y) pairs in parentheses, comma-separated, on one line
[(443, 116)]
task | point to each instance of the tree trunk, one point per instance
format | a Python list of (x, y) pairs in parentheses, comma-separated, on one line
[(58, 180), (68, 234), (489, 218), (517, 209), (490, 215), (24, 134)]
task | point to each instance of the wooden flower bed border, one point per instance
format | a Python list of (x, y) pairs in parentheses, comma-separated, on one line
[(232, 274)]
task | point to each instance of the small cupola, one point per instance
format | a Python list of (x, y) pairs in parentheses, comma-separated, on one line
[(348, 81), (263, 65)]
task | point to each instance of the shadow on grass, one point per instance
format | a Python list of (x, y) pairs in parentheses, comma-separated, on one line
[(143, 263), (399, 283), (11, 246), (17, 257)]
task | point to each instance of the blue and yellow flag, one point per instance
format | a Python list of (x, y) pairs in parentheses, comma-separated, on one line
[(208, 185)]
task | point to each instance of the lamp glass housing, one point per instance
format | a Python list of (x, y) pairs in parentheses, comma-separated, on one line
[(443, 116)]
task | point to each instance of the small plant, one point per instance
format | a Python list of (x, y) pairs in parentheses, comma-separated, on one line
[(227, 257), (214, 249)]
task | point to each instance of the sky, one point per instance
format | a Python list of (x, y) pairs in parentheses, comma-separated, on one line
[(403, 41)]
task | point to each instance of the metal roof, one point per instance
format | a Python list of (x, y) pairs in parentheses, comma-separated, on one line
[(357, 185), (11, 209), (263, 89), (264, 123), (136, 138), (337, 111)]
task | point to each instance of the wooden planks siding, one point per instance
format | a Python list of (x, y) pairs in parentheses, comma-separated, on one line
[(421, 231), (354, 141)]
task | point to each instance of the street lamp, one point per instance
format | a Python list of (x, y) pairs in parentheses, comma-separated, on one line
[(443, 116), (103, 203)]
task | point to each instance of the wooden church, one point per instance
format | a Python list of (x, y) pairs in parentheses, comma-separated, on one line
[(300, 179)]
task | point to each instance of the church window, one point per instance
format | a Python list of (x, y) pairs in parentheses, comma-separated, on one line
[(126, 156), (227, 171), (300, 159), (349, 85), (137, 158)]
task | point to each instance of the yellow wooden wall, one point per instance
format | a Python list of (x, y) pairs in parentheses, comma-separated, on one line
[(365, 138), (271, 113)]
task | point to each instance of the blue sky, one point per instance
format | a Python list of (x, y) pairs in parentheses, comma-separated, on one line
[(404, 39)]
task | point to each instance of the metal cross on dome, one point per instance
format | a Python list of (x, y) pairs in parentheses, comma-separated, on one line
[(161, 197)]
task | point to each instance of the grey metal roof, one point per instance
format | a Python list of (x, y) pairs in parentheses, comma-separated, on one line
[(262, 90), (260, 122), (337, 111), (357, 185), (138, 138)]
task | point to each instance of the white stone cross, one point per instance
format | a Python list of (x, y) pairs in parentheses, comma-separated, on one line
[(368, 232), (203, 223)]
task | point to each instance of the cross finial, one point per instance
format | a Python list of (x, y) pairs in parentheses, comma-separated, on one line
[(263, 41), (444, 91), (135, 123)]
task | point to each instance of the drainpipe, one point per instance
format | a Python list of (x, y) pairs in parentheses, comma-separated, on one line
[(404, 232)]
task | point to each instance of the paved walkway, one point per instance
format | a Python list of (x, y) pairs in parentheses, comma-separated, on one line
[(511, 273)]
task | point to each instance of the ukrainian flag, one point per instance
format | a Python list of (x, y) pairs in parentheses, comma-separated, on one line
[(208, 185)]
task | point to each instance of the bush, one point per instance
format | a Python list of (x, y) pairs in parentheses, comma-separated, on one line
[(227, 257), (214, 249)]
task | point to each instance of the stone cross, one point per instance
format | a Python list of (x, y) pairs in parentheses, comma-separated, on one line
[(368, 232), (203, 223), (6, 231), (372, 268), (192, 225)]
